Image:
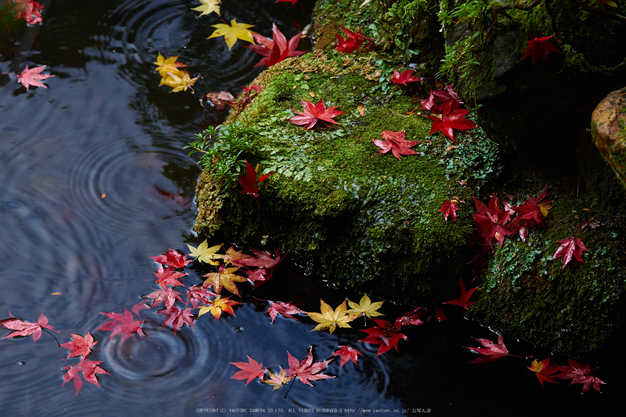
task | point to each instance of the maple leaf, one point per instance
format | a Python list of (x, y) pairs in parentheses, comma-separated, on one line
[(449, 207), (490, 222), (247, 181), (169, 276), (449, 100), (177, 317), (233, 255), (122, 323), (352, 42), (216, 306), (347, 353), (314, 114), (530, 213), (28, 10), (448, 122), (80, 346), (169, 296), (199, 293), (204, 254), (543, 370), (385, 334), (579, 374), (330, 319), (249, 370), (404, 77), (284, 309), (169, 64), (172, 258), (89, 369), (32, 77), (412, 317), (178, 81), (233, 32), (570, 247), (224, 278), (219, 100), (307, 371), (208, 7), (277, 380), (396, 143), (277, 49), (365, 307), (25, 328), (539, 48), (264, 261), (247, 94), (490, 350), (464, 299)]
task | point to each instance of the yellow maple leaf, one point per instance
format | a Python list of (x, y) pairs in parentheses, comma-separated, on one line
[(233, 32), (277, 380), (178, 82), (206, 254), (218, 305), (208, 6), (169, 64), (365, 307), (225, 278), (329, 319)]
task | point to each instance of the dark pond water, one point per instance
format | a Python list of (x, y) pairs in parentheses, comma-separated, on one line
[(94, 181)]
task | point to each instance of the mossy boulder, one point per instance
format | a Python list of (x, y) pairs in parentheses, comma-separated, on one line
[(608, 124), (345, 211)]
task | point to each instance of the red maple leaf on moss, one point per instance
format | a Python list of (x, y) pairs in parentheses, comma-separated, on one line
[(570, 247), (315, 115), (404, 77), (396, 143), (352, 42), (248, 181), (122, 323), (449, 208), (539, 48), (450, 121), (277, 49)]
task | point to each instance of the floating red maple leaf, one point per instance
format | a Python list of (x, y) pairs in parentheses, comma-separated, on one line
[(25, 328), (177, 317), (219, 99), (80, 346), (412, 317), (307, 371), (347, 353), (122, 323), (385, 334), (315, 114), (450, 121), (277, 49), (89, 369), (449, 208), (249, 370), (352, 42), (284, 309), (579, 374), (248, 181), (539, 48), (262, 260), (490, 350), (216, 306), (404, 77), (396, 143), (464, 299), (570, 247), (32, 77), (168, 276), (168, 296), (199, 294), (544, 370), (172, 258)]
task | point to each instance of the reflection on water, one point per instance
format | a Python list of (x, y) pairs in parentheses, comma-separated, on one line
[(94, 181)]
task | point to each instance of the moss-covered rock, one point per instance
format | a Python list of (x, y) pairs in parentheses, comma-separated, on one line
[(608, 124)]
